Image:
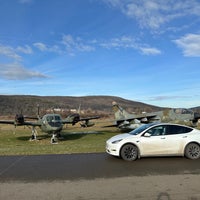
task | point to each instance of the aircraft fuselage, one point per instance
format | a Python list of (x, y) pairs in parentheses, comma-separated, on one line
[(51, 123)]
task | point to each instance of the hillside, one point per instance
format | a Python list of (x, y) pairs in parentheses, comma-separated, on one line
[(10, 105)]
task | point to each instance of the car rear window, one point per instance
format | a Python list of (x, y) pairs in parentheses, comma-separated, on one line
[(174, 129)]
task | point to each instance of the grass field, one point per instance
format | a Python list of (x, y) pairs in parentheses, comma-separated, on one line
[(74, 140)]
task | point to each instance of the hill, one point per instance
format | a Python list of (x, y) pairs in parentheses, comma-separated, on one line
[(12, 104)]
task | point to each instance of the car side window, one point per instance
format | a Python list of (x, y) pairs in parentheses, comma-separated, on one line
[(157, 131), (175, 129)]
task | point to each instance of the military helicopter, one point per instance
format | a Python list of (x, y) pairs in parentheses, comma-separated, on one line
[(49, 123)]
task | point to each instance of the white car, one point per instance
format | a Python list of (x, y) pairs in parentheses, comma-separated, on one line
[(156, 139)]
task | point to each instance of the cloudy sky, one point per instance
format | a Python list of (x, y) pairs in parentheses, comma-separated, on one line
[(142, 50)]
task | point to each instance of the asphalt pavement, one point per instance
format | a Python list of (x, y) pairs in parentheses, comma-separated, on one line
[(89, 166), (98, 176)]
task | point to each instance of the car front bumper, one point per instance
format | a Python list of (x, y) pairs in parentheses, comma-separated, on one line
[(112, 149)]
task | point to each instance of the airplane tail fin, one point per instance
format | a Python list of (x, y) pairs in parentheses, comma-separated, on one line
[(120, 113)]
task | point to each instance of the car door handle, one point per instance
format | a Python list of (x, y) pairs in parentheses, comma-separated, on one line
[(185, 136), (162, 138)]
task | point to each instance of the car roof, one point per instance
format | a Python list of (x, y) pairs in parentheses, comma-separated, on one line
[(168, 123)]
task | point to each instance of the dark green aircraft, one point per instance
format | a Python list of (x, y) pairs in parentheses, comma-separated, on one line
[(49, 123), (125, 120)]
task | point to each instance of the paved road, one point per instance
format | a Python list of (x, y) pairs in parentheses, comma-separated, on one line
[(98, 176), (89, 166)]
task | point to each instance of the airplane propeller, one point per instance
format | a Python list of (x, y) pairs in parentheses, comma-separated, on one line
[(75, 118), (19, 119)]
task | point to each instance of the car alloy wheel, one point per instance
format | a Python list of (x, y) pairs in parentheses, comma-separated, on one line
[(192, 151), (129, 152)]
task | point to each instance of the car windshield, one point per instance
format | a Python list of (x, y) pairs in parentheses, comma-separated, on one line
[(140, 129)]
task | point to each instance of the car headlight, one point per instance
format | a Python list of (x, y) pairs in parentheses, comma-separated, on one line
[(116, 141)]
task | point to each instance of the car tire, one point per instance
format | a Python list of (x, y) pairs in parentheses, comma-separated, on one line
[(192, 151), (129, 152)]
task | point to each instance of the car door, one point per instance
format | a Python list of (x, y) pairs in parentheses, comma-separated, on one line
[(174, 139), (172, 144), (152, 141), (170, 141)]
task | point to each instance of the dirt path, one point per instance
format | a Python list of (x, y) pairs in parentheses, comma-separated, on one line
[(164, 187)]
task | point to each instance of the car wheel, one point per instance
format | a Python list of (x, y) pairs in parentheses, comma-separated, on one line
[(192, 151), (129, 152)]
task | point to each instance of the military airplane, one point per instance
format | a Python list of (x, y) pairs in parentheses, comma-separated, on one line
[(49, 123), (125, 120)]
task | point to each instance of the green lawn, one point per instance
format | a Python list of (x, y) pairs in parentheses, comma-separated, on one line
[(74, 140)]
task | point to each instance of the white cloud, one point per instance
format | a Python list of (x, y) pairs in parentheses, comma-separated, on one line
[(12, 67), (129, 42), (13, 53), (68, 44), (26, 49), (45, 48), (40, 46), (173, 101), (162, 98), (117, 43), (150, 51), (15, 71), (9, 52), (190, 44), (74, 45), (155, 13)]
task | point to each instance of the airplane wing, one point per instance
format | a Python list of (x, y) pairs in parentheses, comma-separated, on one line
[(7, 122), (88, 118), (141, 119), (145, 118), (134, 122), (75, 118), (32, 123), (113, 125), (85, 122), (16, 123), (126, 125)]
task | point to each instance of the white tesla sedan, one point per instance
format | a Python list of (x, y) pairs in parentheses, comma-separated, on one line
[(156, 139)]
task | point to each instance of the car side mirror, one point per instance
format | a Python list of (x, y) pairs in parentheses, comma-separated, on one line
[(147, 135)]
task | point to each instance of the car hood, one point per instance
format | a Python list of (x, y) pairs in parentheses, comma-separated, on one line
[(119, 137)]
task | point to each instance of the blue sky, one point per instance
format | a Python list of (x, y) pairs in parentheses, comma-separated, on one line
[(142, 50)]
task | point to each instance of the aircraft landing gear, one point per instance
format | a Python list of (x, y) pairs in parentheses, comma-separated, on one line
[(54, 139), (34, 134)]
